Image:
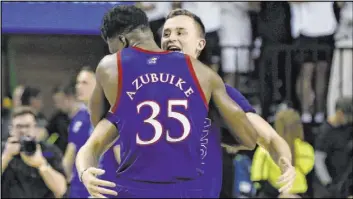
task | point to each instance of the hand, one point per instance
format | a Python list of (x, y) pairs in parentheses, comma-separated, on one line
[(36, 160), (92, 183), (288, 175), (12, 147), (230, 149)]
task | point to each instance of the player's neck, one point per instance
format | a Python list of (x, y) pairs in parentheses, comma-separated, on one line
[(147, 45)]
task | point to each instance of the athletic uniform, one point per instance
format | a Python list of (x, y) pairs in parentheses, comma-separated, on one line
[(160, 114), (79, 131), (213, 158)]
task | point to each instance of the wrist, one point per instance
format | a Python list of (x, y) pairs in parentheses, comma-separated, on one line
[(43, 163), (81, 174)]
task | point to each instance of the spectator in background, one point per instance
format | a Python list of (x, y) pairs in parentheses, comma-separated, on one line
[(341, 73), (5, 117), (235, 40), (210, 14), (273, 30), (32, 97), (65, 104), (264, 170), (334, 148), (6, 109), (156, 13), (313, 25), (17, 94), (80, 129), (36, 175)]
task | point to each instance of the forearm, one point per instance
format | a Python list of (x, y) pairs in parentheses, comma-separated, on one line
[(269, 139), (88, 156), (54, 180), (69, 160), (5, 160), (321, 168), (278, 148), (242, 129)]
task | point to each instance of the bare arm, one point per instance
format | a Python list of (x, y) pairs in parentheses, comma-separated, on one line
[(269, 139), (321, 169), (105, 133), (95, 105), (234, 117), (69, 159), (102, 138), (55, 181)]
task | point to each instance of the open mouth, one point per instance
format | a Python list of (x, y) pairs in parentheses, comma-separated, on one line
[(174, 49)]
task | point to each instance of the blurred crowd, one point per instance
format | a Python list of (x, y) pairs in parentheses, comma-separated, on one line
[(293, 62)]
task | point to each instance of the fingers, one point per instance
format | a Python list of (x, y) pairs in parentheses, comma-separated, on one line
[(96, 171), (287, 178), (93, 184), (101, 190), (97, 195), (289, 174), (99, 182)]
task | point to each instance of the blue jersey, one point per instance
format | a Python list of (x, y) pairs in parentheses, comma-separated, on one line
[(160, 112), (80, 129), (109, 164), (213, 152)]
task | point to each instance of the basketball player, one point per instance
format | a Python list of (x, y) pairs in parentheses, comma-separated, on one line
[(79, 130), (181, 28), (159, 102)]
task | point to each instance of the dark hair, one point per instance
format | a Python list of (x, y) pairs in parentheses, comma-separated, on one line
[(345, 105), (123, 19), (183, 12), (23, 110), (28, 93), (68, 90), (87, 69)]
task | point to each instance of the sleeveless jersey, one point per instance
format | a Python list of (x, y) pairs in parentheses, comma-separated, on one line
[(212, 149), (80, 129), (159, 112)]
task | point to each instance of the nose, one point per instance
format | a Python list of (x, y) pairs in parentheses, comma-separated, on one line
[(173, 37)]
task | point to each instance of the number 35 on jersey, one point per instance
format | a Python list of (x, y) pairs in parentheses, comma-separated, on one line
[(158, 127)]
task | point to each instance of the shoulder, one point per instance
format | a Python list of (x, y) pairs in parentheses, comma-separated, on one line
[(204, 71), (107, 62)]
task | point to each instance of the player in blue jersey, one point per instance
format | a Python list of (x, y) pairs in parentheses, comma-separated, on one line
[(79, 130), (180, 29), (159, 100)]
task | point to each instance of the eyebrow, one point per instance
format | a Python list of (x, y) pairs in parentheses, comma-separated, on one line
[(177, 28)]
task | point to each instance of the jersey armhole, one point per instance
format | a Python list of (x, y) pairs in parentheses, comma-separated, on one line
[(120, 82), (194, 77)]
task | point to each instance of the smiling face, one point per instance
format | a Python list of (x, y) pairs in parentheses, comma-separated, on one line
[(182, 34)]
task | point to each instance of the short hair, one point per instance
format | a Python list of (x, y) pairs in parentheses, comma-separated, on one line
[(345, 105), (123, 19), (23, 110), (68, 90), (87, 69), (184, 12), (28, 93)]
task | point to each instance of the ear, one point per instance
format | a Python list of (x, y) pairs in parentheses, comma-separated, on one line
[(201, 45), (124, 41)]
